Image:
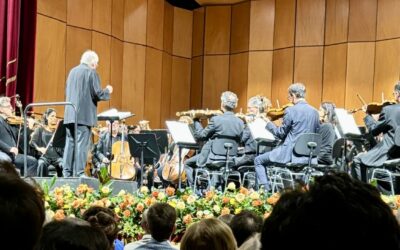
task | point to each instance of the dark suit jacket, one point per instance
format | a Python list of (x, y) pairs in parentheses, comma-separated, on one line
[(389, 120), (84, 90), (220, 126), (298, 119), (8, 138)]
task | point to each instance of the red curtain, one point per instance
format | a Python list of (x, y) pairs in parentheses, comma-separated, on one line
[(17, 48)]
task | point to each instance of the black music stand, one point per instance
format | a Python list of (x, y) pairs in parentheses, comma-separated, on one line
[(143, 146), (161, 138), (60, 135)]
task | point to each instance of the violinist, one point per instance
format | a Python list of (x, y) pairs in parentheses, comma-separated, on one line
[(41, 141), (9, 140), (327, 118), (389, 120), (298, 119)]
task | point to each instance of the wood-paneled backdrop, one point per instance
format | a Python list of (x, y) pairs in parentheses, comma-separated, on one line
[(161, 59)]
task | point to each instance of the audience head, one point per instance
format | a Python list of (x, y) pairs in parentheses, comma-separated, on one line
[(296, 91), (208, 234), (226, 218), (21, 211), (244, 225), (144, 223), (161, 219), (229, 101), (90, 58), (396, 92), (8, 168), (327, 112), (104, 219), (337, 212), (72, 233)]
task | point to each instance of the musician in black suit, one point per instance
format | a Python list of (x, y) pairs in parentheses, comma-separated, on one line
[(389, 120), (327, 117), (83, 90), (9, 141), (220, 126), (298, 119)]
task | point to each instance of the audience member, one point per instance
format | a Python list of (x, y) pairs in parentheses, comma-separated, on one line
[(338, 212), (208, 234), (8, 168), (226, 218), (72, 233), (146, 237), (244, 225)]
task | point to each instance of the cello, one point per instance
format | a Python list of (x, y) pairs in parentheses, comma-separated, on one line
[(171, 168), (122, 166)]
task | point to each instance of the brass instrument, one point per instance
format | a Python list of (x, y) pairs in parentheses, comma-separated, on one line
[(199, 113)]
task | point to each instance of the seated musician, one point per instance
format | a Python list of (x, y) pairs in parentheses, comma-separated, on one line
[(389, 120), (255, 107), (9, 140), (41, 141), (327, 118), (298, 119), (220, 126)]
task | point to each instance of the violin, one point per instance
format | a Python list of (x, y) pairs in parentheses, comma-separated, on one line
[(15, 120), (277, 113), (373, 107)]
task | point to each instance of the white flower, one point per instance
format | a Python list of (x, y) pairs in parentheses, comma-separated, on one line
[(231, 186), (144, 190), (161, 196), (121, 193), (217, 209), (180, 205)]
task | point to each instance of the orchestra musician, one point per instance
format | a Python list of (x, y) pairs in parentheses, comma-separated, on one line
[(298, 119), (41, 141), (9, 140), (327, 118), (84, 91), (389, 120), (220, 126)]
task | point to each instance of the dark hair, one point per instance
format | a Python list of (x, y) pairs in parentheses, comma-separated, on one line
[(338, 212), (161, 219), (329, 109), (226, 218), (104, 219), (46, 115), (244, 225), (72, 233), (21, 212), (8, 168)]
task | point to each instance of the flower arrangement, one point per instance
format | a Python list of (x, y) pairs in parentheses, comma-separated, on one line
[(65, 201)]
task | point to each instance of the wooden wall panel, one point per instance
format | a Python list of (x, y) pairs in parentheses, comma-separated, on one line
[(79, 13), (362, 20), (155, 24), (102, 10), (282, 75), (152, 93), (117, 60), (101, 44), (53, 8), (78, 41), (49, 61), (388, 19), (260, 74), (196, 86), (168, 27), (198, 32), (262, 16), (166, 89), (135, 20), (238, 75), (117, 21), (310, 23), (360, 75), (308, 70), (337, 17), (387, 61), (133, 80), (180, 85), (217, 30), (183, 26), (334, 79), (215, 80), (285, 13), (240, 29)]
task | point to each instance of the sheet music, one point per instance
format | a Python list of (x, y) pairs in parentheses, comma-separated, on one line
[(259, 132), (115, 113), (347, 124), (180, 132)]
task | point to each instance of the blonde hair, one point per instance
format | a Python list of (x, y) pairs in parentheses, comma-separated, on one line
[(208, 234)]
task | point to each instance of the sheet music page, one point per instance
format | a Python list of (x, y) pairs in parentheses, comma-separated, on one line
[(347, 123), (258, 130), (180, 132)]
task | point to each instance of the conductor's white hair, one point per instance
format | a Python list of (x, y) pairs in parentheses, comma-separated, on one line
[(89, 57)]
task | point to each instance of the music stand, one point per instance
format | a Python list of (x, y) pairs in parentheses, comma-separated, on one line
[(60, 135), (143, 145)]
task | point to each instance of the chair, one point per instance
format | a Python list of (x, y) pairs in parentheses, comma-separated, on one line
[(384, 174), (307, 144)]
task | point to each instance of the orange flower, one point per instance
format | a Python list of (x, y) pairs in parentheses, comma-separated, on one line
[(140, 207), (147, 201), (244, 191), (154, 194), (225, 210), (209, 195), (225, 200), (170, 191), (266, 215), (273, 199), (185, 197), (126, 213), (59, 215), (256, 203), (187, 219), (60, 202)]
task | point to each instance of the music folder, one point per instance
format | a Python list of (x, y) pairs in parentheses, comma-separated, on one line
[(113, 114), (259, 131), (181, 133)]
